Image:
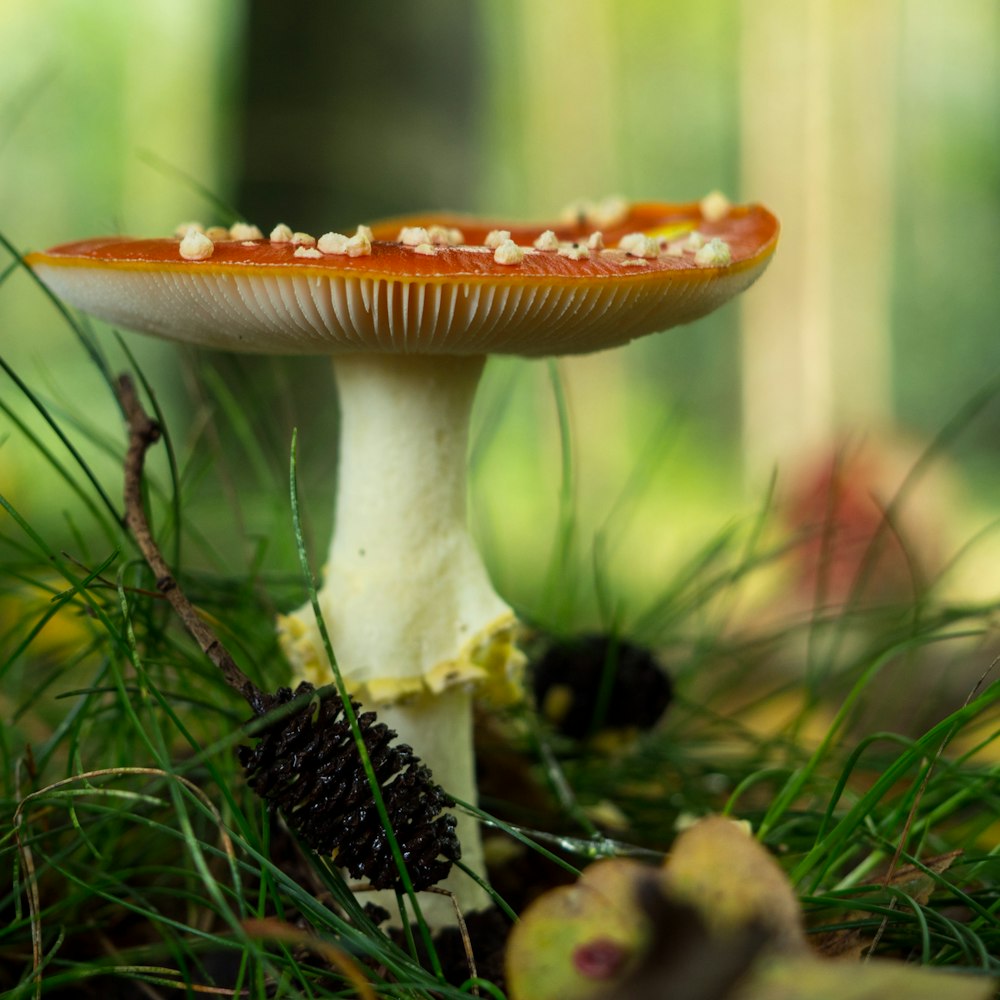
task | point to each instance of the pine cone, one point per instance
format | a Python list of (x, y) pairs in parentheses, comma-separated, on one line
[(637, 696), (308, 766)]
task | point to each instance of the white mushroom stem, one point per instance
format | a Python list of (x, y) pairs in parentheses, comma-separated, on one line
[(413, 618)]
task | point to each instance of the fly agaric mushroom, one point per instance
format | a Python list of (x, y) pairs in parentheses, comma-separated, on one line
[(411, 308)]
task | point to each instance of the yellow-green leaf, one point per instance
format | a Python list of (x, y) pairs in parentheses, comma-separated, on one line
[(577, 940), (803, 978), (718, 867)]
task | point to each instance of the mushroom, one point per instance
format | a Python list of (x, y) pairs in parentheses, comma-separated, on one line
[(410, 309)]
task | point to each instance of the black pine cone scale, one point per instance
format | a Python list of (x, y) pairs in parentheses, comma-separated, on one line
[(307, 765)]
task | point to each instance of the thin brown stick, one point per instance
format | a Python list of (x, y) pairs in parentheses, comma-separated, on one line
[(144, 432)]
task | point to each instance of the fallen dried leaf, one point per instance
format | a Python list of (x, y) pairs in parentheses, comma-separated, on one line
[(574, 940), (917, 882), (719, 921), (733, 882), (804, 978)]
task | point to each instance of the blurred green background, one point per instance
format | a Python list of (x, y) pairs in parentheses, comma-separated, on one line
[(870, 127)]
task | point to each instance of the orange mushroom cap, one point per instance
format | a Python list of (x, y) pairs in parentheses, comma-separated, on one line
[(259, 296)]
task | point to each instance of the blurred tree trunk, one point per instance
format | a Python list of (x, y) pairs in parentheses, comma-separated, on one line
[(350, 112), (819, 105), (554, 88), (357, 110), (554, 71)]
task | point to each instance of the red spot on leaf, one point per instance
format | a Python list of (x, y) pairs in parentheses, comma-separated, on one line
[(599, 959)]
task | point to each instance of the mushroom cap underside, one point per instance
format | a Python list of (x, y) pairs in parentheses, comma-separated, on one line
[(263, 296)]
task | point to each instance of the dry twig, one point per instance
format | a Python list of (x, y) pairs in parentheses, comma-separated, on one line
[(143, 432)]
